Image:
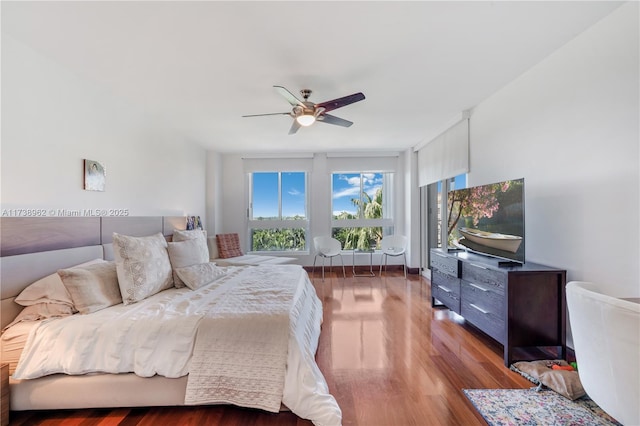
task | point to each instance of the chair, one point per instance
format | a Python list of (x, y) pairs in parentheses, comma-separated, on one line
[(394, 245), (606, 338), (327, 247)]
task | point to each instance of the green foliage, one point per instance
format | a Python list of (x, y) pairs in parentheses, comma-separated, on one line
[(351, 238), (278, 239)]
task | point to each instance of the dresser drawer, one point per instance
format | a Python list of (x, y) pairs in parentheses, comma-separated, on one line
[(445, 264), (488, 278), (446, 289), (484, 297), (484, 319)]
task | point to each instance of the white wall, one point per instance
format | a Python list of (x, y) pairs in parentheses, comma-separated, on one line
[(569, 126), (214, 187), (52, 120), (233, 198)]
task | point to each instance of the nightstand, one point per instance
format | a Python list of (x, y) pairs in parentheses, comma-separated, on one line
[(4, 394)]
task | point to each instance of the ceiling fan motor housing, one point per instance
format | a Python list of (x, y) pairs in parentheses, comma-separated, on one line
[(305, 113)]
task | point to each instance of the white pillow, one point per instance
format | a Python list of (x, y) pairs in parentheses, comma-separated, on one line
[(196, 276), (196, 234), (41, 311), (185, 253), (92, 287), (212, 244), (142, 265), (49, 289)]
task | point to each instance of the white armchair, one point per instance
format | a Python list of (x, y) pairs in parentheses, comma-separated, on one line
[(606, 336)]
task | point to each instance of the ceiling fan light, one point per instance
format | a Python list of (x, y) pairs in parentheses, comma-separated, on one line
[(306, 119)]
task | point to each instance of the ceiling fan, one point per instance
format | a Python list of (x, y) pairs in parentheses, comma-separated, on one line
[(305, 113)]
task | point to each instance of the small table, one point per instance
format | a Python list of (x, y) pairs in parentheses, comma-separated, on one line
[(353, 262)]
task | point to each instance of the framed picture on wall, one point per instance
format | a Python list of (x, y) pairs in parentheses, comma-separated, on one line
[(94, 176)]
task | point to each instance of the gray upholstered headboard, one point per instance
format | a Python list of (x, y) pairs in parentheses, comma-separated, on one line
[(32, 248)]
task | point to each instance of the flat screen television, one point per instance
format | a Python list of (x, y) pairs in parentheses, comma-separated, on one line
[(488, 219)]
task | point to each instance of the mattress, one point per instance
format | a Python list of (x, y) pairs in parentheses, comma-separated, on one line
[(13, 341)]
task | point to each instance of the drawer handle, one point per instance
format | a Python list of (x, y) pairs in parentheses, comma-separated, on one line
[(478, 287), (478, 266), (445, 289), (479, 309)]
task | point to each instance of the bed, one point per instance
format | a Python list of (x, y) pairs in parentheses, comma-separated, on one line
[(246, 339)]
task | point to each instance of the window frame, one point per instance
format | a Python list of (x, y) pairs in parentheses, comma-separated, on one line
[(280, 222), (386, 223)]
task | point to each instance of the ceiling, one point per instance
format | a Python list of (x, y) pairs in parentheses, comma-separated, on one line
[(199, 66)]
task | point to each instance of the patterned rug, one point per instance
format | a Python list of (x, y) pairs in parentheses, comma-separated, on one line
[(530, 407)]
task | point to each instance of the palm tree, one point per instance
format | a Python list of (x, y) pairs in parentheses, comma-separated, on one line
[(368, 208)]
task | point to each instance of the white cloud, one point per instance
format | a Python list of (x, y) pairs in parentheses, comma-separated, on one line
[(347, 192), (339, 212)]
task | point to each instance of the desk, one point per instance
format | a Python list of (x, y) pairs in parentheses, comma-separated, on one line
[(353, 262)]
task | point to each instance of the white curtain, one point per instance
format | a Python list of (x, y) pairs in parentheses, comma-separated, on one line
[(251, 165), (446, 156), (379, 164)]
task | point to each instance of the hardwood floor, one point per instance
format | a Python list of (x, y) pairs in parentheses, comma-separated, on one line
[(389, 358)]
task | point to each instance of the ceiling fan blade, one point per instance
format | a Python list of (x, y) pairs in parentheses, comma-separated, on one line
[(294, 127), (340, 102), (271, 113), (290, 97), (332, 119)]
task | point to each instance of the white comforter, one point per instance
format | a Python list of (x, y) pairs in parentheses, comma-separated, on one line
[(248, 338)]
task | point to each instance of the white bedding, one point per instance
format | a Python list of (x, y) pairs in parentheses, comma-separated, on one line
[(158, 336)]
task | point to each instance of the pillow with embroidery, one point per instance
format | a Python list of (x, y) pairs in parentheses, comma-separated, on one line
[(196, 276), (185, 253), (142, 265)]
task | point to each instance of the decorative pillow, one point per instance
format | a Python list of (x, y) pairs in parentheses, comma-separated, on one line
[(92, 287), (228, 245), (197, 234), (196, 276), (566, 383), (185, 253), (142, 265), (49, 289)]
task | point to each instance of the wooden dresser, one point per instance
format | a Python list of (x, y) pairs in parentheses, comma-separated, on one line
[(4, 394), (521, 307)]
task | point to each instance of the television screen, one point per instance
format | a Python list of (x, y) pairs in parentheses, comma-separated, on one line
[(488, 219)]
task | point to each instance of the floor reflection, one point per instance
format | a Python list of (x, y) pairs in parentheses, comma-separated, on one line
[(361, 327), (389, 358)]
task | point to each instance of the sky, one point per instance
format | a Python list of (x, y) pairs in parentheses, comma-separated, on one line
[(265, 194), (345, 187)]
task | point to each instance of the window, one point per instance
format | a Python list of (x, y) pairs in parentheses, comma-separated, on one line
[(278, 211), (439, 207), (362, 208)]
